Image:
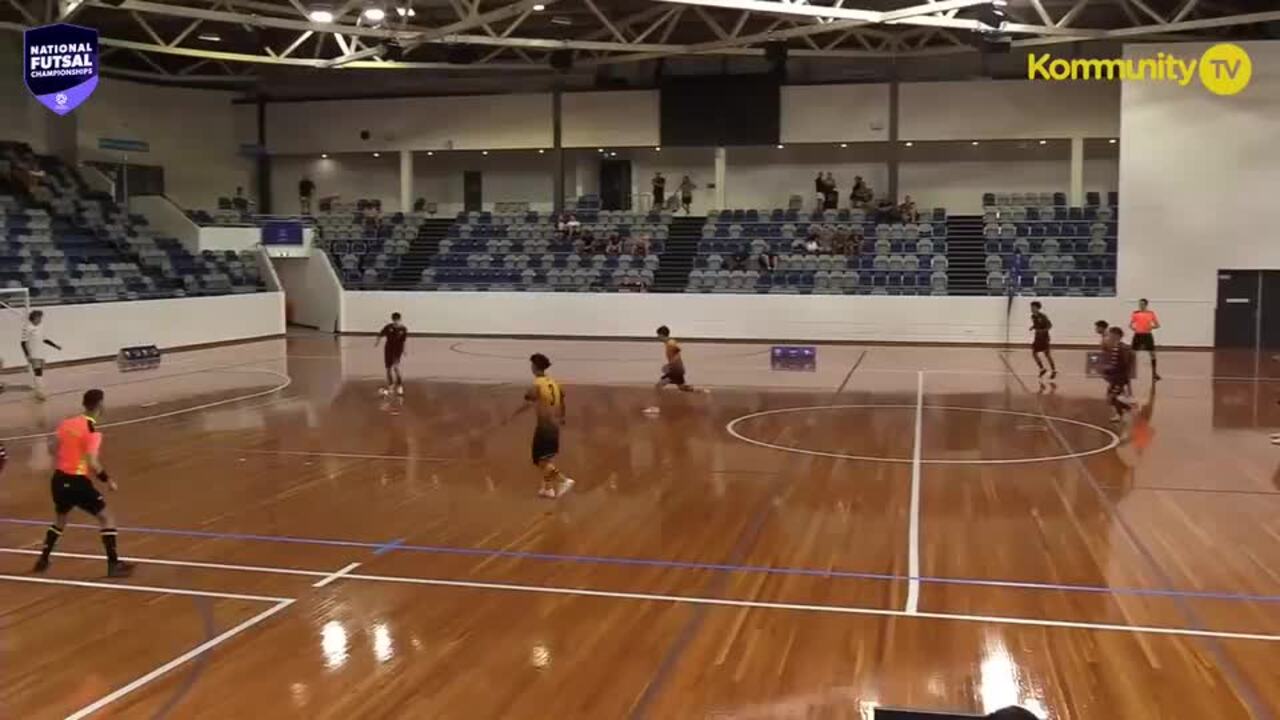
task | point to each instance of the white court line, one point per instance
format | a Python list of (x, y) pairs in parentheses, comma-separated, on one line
[(143, 588), (189, 655), (334, 576), (180, 563), (913, 530), (1114, 441), (583, 592), (353, 456), (181, 411), (765, 605)]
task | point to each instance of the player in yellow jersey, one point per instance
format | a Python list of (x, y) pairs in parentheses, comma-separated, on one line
[(546, 397)]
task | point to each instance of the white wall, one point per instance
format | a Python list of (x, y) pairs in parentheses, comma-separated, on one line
[(757, 317), (1199, 179), (167, 219), (824, 113), (1009, 109), (313, 292), (615, 119), (192, 134), (100, 329), (437, 123), (21, 117)]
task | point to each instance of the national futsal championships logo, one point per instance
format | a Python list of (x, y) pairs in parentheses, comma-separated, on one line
[(1224, 69), (60, 65)]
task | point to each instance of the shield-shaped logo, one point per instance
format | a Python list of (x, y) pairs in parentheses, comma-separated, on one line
[(60, 65)]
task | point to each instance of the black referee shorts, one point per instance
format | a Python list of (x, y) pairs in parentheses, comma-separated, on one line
[(75, 491), (546, 443), (1144, 341)]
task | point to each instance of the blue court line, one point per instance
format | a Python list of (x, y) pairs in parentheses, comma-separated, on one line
[(384, 549), (683, 565)]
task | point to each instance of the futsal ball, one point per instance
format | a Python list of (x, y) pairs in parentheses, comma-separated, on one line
[(384, 392)]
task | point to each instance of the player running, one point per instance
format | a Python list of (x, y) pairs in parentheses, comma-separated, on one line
[(33, 346), (79, 443), (1040, 343), (673, 371), (1143, 322), (547, 398), (1118, 361), (396, 334)]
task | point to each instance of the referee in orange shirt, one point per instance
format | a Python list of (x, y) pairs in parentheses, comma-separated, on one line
[(1142, 323), (78, 445)]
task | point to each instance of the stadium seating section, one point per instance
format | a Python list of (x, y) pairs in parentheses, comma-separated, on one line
[(366, 249), (69, 244), (878, 258), (1068, 250)]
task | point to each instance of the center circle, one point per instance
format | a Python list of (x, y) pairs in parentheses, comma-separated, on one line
[(1047, 426)]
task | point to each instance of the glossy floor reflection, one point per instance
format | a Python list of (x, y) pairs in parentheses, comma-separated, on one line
[(901, 527)]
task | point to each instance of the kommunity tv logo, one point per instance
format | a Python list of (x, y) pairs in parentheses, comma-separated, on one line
[(1224, 69)]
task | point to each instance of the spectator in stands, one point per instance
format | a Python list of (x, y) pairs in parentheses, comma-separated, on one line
[(586, 243), (569, 226), (860, 195), (907, 210), (240, 202), (420, 205), (768, 261), (811, 245), (686, 193), (306, 189), (659, 190), (886, 211), (820, 190), (372, 218), (739, 259), (614, 246), (639, 245), (831, 197), (1017, 268)]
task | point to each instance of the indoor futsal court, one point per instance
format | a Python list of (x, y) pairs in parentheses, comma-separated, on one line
[(881, 527)]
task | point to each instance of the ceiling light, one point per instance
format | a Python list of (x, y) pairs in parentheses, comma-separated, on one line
[(405, 11), (539, 7), (908, 143), (374, 14), (781, 146), (844, 145), (324, 156), (209, 37), (975, 142), (320, 15), (429, 153), (600, 150), (377, 154), (540, 151), (561, 20), (484, 152), (1044, 142), (1112, 141), (657, 149)]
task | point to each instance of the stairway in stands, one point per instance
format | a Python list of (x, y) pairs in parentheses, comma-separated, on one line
[(677, 260), (966, 256), (421, 250)]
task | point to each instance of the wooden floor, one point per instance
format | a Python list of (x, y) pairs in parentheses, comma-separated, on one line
[(903, 527)]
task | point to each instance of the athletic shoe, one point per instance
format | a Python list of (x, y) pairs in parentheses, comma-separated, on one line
[(1042, 372), (1053, 375), (1275, 439), (42, 564), (548, 493), (120, 569), (384, 392), (1115, 417), (565, 486), (400, 390)]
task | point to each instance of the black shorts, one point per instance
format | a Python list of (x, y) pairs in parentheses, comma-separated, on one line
[(1144, 341), (546, 443), (392, 359), (75, 491), (1040, 344), (674, 375)]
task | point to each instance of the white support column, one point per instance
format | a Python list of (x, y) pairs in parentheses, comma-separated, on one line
[(1077, 171), (721, 157), (406, 180)]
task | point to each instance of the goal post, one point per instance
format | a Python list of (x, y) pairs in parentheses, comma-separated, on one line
[(15, 305)]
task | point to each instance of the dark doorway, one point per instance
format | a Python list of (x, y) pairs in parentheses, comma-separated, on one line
[(1239, 302), (615, 185), (472, 190)]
